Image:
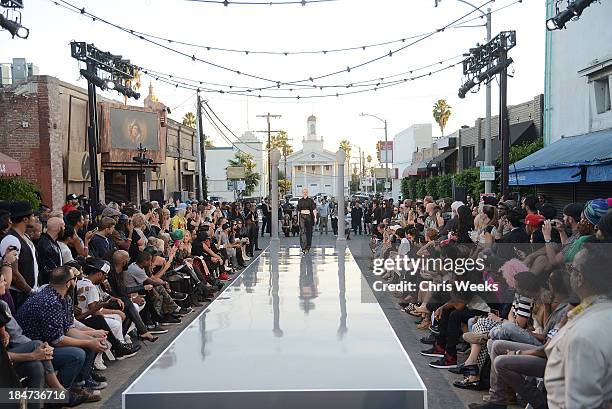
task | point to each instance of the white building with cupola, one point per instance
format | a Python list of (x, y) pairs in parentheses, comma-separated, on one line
[(314, 167)]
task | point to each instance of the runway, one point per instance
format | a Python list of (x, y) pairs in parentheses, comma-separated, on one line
[(291, 332)]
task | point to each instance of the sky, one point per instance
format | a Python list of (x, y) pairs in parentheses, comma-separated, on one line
[(316, 26)]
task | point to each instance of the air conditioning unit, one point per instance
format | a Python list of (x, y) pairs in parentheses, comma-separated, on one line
[(480, 163), (190, 166)]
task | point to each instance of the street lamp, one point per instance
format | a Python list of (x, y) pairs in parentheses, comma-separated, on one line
[(488, 143), (384, 121)]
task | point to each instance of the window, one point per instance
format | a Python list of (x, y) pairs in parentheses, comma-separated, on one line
[(298, 168), (312, 168), (469, 154), (602, 95), (327, 167)]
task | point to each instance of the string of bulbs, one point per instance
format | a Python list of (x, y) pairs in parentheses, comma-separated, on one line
[(261, 3), (82, 11), (365, 83)]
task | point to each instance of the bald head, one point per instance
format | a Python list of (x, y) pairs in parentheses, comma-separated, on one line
[(55, 225)]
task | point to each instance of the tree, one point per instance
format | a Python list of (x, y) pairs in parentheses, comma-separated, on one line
[(189, 119), (441, 113), (209, 143), (280, 141), (17, 188), (251, 177), (346, 146)]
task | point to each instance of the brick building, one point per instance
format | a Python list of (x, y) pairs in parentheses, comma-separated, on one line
[(43, 125)]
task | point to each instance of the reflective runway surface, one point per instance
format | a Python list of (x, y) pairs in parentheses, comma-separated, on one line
[(290, 332)]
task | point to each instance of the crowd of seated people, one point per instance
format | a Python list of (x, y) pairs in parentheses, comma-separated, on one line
[(78, 292), (541, 335)]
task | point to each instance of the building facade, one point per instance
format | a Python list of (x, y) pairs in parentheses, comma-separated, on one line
[(314, 167), (43, 125), (405, 144)]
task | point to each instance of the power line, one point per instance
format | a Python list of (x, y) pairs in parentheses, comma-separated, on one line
[(71, 7)]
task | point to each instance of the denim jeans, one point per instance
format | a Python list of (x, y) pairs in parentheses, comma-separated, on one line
[(73, 364), (34, 371), (509, 331)]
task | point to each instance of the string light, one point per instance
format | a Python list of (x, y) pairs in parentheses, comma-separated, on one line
[(82, 11), (261, 3), (374, 88), (363, 83)]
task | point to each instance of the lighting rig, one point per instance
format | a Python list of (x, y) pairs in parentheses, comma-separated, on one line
[(481, 66), (10, 19), (574, 10), (119, 73)]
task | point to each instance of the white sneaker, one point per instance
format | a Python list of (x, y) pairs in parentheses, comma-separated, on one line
[(99, 363), (127, 339)]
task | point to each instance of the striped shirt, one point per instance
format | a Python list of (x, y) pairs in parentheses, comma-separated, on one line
[(522, 305)]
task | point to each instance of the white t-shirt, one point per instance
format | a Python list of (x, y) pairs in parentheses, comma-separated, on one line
[(87, 293), (11, 240), (66, 253)]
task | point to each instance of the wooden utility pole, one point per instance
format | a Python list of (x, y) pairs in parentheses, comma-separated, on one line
[(269, 132)]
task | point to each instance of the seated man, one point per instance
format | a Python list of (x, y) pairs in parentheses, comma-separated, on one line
[(95, 303), (48, 316)]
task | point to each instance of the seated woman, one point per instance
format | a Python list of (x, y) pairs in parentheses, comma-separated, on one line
[(295, 225)]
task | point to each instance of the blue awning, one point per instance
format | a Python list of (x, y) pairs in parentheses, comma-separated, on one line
[(581, 158)]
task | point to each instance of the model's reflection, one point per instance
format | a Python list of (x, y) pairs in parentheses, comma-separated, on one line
[(308, 286), (274, 284), (342, 328)]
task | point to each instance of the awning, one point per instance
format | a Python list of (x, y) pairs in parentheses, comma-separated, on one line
[(424, 164), (519, 133), (581, 158), (411, 170), (437, 161), (9, 166)]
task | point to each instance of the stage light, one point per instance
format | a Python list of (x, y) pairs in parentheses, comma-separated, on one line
[(13, 27), (109, 84), (575, 9), (128, 92), (97, 81)]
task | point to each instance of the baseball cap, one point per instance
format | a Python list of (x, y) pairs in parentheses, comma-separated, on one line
[(72, 196), (534, 220), (456, 205), (93, 265), (573, 210), (225, 226)]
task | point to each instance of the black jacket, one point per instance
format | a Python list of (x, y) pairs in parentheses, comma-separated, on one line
[(49, 257)]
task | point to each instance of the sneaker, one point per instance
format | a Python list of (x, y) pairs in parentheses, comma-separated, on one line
[(169, 320), (97, 377), (185, 311), (435, 351), (99, 363), (124, 351), (429, 340), (223, 277), (156, 330), (75, 399), (435, 329), (93, 385), (89, 395), (445, 362)]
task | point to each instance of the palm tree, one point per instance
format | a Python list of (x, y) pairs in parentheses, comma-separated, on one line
[(441, 113), (189, 119), (251, 177), (281, 142), (346, 146)]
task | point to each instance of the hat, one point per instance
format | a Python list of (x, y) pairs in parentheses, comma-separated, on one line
[(594, 209), (21, 209), (573, 210), (177, 234), (123, 217), (456, 205), (93, 265), (534, 220), (110, 212), (181, 206), (547, 210), (225, 226), (610, 202), (72, 196)]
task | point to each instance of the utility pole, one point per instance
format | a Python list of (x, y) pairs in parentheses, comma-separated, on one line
[(504, 125), (488, 143), (269, 132), (92, 141), (180, 176), (202, 139), (386, 160)]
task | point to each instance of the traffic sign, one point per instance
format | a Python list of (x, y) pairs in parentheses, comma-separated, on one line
[(487, 173)]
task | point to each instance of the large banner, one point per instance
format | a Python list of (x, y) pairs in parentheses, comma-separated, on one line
[(131, 128)]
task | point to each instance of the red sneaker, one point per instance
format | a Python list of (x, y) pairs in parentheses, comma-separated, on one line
[(223, 277), (446, 362), (435, 351)]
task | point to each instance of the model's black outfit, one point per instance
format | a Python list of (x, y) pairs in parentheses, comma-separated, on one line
[(306, 221)]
